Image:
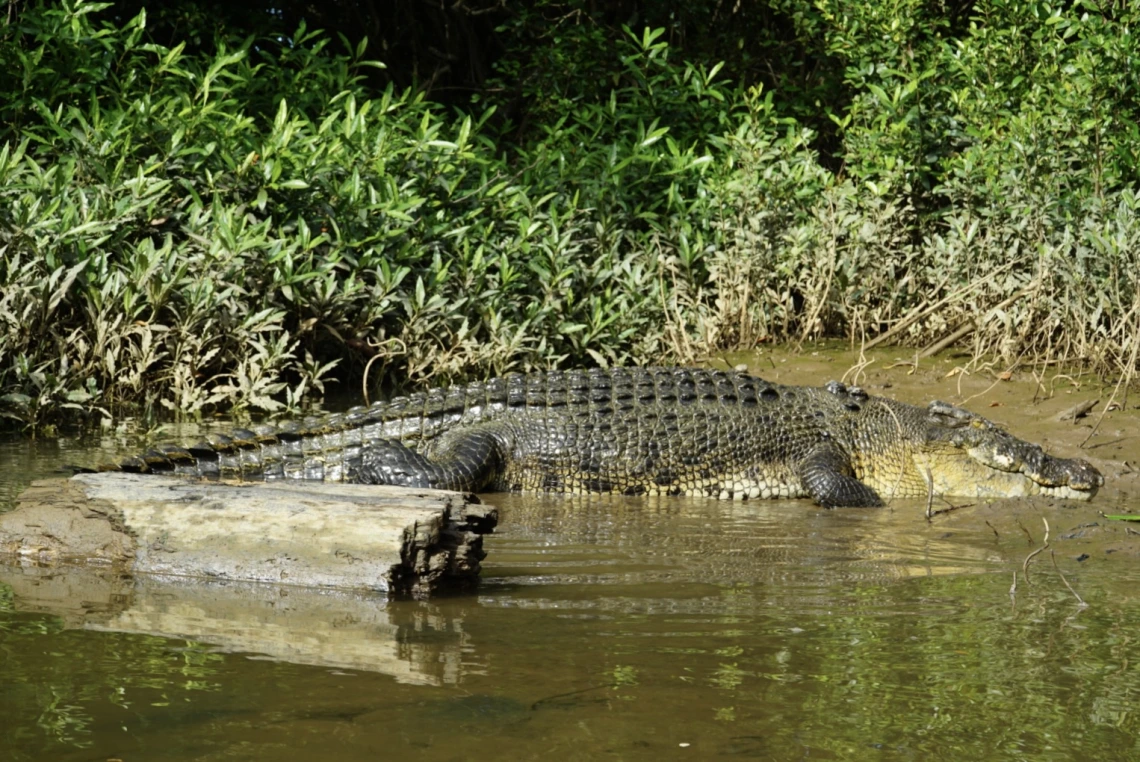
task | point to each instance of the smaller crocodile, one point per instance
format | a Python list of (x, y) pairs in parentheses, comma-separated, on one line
[(646, 431)]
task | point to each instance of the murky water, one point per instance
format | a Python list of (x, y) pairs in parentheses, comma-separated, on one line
[(623, 629)]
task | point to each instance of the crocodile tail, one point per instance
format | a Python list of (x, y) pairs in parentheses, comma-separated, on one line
[(238, 454)]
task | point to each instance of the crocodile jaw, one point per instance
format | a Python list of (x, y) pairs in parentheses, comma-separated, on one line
[(962, 473)]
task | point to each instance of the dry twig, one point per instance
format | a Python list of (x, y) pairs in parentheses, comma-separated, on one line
[(1025, 566), (1028, 536), (1125, 379), (925, 309), (1080, 600)]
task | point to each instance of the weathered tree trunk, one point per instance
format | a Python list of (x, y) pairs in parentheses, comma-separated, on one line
[(406, 542)]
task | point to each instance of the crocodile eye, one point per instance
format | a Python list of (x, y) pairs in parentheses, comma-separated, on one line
[(946, 421), (944, 414)]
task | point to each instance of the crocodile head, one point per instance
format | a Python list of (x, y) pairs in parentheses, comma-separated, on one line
[(964, 454)]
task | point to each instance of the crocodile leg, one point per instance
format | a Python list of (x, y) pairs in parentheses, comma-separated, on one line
[(468, 461), (826, 475)]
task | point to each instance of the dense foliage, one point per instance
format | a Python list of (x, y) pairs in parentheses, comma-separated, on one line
[(231, 222)]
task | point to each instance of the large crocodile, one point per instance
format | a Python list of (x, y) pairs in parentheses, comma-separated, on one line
[(646, 431)]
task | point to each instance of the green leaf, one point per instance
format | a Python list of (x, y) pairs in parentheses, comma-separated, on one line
[(16, 399), (881, 95), (282, 115)]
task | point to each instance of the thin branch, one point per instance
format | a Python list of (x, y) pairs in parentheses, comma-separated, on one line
[(1125, 379), (1025, 566), (1028, 537), (923, 310), (1045, 544), (1080, 600), (949, 339)]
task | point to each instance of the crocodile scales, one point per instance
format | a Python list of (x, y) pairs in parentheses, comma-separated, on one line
[(645, 431)]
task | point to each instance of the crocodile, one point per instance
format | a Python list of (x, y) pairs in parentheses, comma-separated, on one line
[(645, 431)]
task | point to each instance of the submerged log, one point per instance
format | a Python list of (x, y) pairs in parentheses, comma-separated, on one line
[(406, 542)]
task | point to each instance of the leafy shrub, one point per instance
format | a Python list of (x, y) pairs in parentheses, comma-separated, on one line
[(234, 229), (173, 239)]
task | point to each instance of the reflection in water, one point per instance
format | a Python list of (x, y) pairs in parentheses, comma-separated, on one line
[(414, 643)]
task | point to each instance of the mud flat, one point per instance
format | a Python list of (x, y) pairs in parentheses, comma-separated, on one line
[(394, 540)]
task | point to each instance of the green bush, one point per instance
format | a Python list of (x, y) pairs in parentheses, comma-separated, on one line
[(173, 236), (235, 229)]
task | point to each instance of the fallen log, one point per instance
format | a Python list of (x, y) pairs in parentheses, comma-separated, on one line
[(404, 542)]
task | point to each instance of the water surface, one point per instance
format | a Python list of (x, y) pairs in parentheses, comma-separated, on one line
[(625, 629)]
